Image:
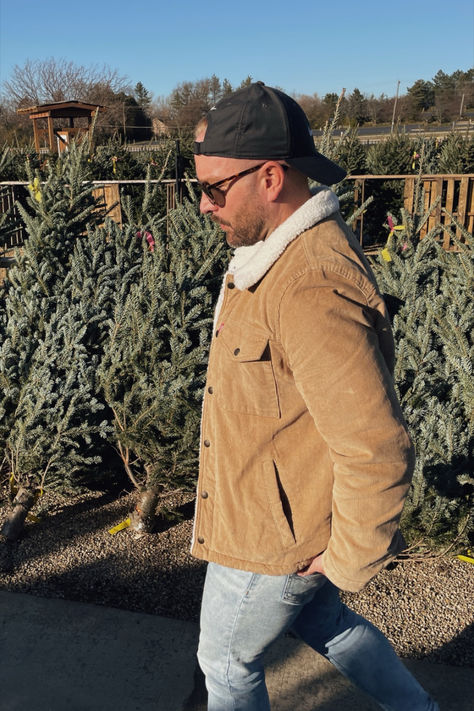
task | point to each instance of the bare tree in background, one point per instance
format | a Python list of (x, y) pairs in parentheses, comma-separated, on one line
[(313, 108), (52, 80)]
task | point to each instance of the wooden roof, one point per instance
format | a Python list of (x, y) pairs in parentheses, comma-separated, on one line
[(61, 109)]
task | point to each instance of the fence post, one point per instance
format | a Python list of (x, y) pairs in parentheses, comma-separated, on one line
[(359, 197)]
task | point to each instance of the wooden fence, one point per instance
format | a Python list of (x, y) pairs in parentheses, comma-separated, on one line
[(107, 193), (456, 196), (453, 194), (10, 195)]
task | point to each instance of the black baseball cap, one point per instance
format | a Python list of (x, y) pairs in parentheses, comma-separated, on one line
[(261, 123)]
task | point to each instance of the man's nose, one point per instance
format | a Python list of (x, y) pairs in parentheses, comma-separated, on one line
[(205, 205)]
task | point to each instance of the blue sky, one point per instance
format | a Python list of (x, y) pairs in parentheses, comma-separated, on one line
[(302, 47)]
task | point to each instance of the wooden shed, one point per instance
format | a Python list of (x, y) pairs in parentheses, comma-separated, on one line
[(55, 123)]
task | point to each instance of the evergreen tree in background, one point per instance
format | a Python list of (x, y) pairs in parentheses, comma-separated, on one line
[(143, 97), (154, 365), (47, 404), (430, 294), (111, 160), (103, 324), (421, 97), (456, 155), (357, 110), (350, 153), (347, 152), (425, 155), (393, 156), (50, 431)]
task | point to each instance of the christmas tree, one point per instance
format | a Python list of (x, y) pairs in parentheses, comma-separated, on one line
[(429, 291), (154, 365), (456, 154), (350, 153), (48, 410)]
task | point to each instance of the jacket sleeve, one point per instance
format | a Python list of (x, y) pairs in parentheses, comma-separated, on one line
[(332, 339)]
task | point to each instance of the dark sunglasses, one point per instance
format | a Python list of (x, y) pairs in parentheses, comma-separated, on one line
[(216, 195)]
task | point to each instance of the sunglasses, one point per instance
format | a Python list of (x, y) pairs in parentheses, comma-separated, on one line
[(216, 195)]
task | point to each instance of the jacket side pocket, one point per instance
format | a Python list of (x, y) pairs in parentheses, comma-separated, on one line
[(277, 503)]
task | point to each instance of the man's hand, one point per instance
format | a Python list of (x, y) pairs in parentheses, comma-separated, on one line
[(316, 566)]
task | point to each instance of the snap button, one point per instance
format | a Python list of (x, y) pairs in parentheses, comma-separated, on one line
[(237, 351), (210, 390), (204, 494), (207, 443), (200, 539), (231, 285)]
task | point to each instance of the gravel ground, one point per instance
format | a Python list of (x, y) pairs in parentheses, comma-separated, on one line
[(425, 608)]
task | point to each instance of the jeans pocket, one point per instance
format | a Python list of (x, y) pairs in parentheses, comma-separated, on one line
[(298, 589)]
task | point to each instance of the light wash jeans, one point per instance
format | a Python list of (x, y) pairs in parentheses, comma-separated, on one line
[(243, 613)]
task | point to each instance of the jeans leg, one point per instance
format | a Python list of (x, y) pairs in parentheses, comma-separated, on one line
[(242, 614), (360, 652)]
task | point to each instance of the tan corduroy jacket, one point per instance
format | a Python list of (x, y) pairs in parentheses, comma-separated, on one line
[(303, 445)]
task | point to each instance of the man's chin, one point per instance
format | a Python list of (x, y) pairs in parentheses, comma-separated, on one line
[(236, 239), (229, 238), (227, 229)]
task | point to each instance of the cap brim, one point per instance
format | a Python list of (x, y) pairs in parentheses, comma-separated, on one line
[(319, 168)]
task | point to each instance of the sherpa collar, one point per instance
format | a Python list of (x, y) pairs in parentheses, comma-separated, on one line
[(249, 264)]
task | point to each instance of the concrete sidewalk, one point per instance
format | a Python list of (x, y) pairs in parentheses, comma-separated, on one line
[(67, 656)]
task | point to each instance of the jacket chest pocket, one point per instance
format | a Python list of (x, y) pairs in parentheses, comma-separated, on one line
[(244, 375)]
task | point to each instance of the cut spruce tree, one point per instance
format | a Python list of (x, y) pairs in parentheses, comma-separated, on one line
[(55, 418), (48, 409), (430, 293), (153, 370)]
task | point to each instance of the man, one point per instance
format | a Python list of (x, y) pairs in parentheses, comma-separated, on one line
[(305, 458)]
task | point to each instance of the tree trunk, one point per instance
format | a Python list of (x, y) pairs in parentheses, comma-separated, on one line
[(143, 518), (22, 503)]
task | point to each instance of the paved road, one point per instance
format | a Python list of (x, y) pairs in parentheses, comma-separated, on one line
[(67, 656), (378, 133)]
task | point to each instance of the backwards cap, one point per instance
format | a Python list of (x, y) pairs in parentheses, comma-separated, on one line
[(261, 123)]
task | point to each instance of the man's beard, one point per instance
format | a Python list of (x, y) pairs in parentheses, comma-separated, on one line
[(246, 229)]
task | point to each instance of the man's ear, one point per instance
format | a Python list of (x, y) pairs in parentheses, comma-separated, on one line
[(273, 177)]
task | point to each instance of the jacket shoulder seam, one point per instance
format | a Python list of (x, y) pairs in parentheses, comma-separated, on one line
[(325, 267)]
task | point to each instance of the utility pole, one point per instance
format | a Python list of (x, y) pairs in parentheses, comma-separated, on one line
[(461, 107), (395, 107)]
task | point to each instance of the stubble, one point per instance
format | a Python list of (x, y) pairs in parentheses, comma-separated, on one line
[(247, 228)]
